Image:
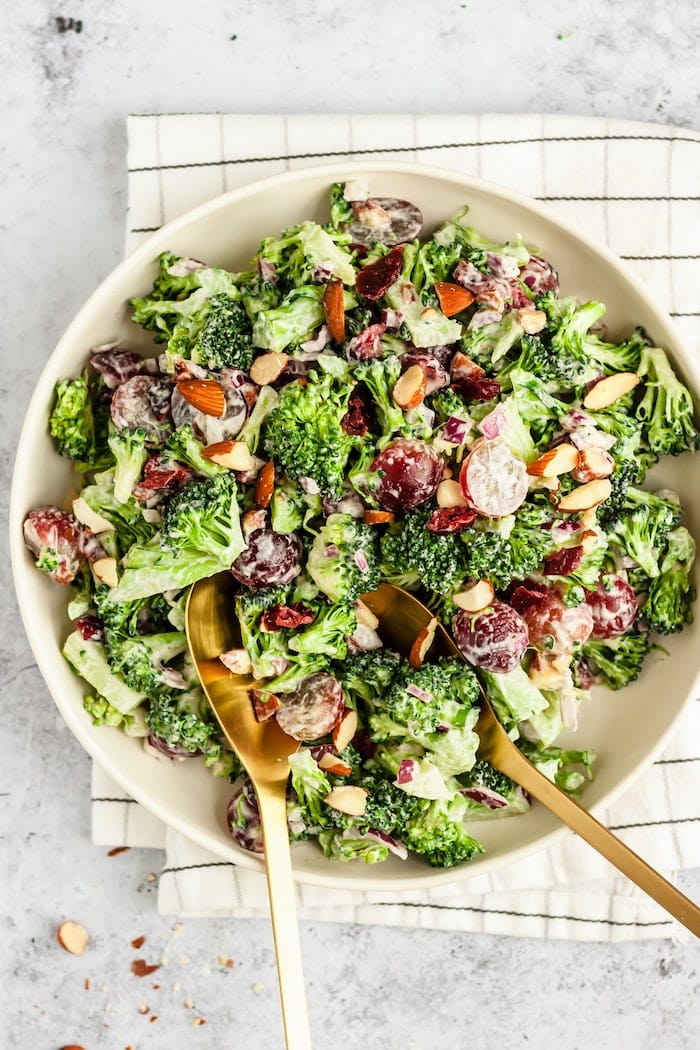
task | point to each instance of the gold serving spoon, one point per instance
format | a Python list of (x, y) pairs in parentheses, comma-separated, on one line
[(401, 619), (264, 750)]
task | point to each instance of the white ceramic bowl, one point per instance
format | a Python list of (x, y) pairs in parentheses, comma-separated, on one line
[(627, 729)]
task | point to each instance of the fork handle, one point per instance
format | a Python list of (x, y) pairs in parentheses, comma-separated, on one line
[(592, 831), (285, 929)]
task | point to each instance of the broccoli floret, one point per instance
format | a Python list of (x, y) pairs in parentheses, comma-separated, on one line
[(388, 808), (311, 787), (568, 769), (434, 263), (670, 595), (341, 209), (344, 559), (182, 721), (307, 253), (352, 845), (380, 377), (539, 357), (122, 620), (617, 661), (488, 555), (438, 833), (304, 434), (513, 696), (226, 339), (568, 324), (490, 343), (250, 431), (446, 402), (140, 660), (642, 525), (666, 409), (328, 634), (201, 535), (292, 508), (366, 676), (72, 422), (103, 713), (129, 450), (626, 473), (617, 357), (411, 554), (483, 774), (130, 526), (185, 448), (265, 648), (538, 408)]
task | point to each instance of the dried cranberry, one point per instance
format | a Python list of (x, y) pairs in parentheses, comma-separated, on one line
[(563, 562), (477, 389), (90, 628), (376, 278), (279, 616), (356, 420), (523, 595), (159, 476), (450, 519)]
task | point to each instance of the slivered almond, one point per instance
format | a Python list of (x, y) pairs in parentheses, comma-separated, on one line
[(332, 764), (452, 298), (235, 455), (378, 517), (531, 321), (365, 616), (105, 569), (87, 516), (206, 395), (265, 485), (345, 730), (588, 519), (449, 494), (586, 496), (547, 671), (334, 309), (558, 460), (593, 463), (348, 799), (610, 389), (476, 597), (410, 390), (268, 367), (422, 644), (73, 937), (589, 540)]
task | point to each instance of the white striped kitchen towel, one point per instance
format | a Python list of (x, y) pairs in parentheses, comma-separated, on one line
[(634, 187)]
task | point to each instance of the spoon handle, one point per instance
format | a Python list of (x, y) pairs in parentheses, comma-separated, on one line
[(285, 929), (592, 831)]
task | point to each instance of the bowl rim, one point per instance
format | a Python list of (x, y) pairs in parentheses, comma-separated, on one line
[(147, 251)]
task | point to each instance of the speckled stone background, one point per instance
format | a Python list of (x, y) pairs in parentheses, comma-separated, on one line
[(71, 71)]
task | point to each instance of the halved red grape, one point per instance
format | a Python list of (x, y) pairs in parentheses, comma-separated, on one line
[(142, 403), (313, 709), (270, 558), (57, 539), (555, 627), (494, 639), (613, 606), (410, 473), (493, 480), (386, 220)]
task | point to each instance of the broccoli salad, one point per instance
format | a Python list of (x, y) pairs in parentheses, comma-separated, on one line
[(367, 405)]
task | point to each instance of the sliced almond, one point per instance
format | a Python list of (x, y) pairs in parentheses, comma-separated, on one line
[(330, 763), (610, 389), (236, 661), (206, 395), (422, 644), (265, 485), (345, 730), (410, 390), (105, 569), (251, 521), (588, 519), (365, 616), (476, 597), (234, 455), (429, 313), (73, 937), (378, 517), (589, 540), (348, 799), (449, 494), (586, 496), (531, 321), (555, 461), (87, 516), (547, 671), (268, 367), (593, 463)]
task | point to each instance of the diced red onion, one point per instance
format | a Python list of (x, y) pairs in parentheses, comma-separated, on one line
[(576, 418), (393, 319), (184, 267), (483, 317), (494, 424), (591, 437), (406, 771), (267, 271), (456, 430), (361, 561), (233, 378), (309, 486), (312, 346), (331, 551), (421, 694), (173, 679), (564, 530), (392, 844), (486, 797), (421, 414)]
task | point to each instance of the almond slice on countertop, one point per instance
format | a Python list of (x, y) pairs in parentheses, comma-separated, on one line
[(610, 389), (105, 569), (555, 461), (73, 937), (235, 455), (365, 616), (586, 496), (345, 729), (87, 516), (410, 390), (422, 644), (265, 485), (268, 367), (348, 799), (530, 320), (330, 763), (476, 597), (206, 395), (593, 463), (449, 494)]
